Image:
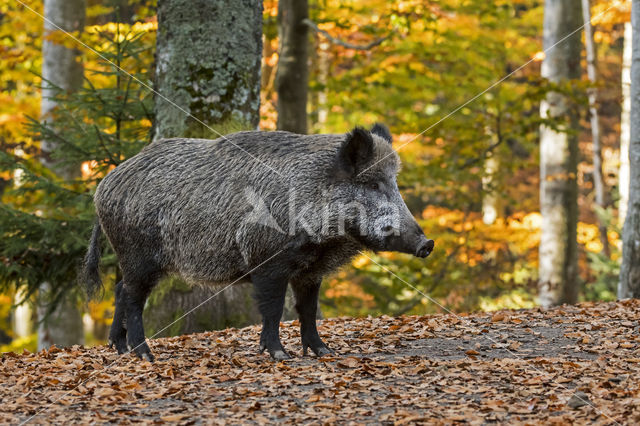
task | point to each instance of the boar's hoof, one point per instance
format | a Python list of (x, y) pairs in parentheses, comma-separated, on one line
[(279, 355), (120, 344), (143, 352), (147, 356), (319, 350)]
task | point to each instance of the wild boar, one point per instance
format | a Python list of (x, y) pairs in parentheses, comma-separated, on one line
[(275, 208)]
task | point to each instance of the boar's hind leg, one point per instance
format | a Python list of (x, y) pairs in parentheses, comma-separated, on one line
[(118, 333), (270, 293), (306, 292), (135, 293)]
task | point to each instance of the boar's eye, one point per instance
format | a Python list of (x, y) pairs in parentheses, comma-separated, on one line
[(374, 186)]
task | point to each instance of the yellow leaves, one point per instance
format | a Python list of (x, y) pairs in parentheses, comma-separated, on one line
[(63, 38), (87, 168), (139, 27), (516, 299), (530, 221), (271, 60), (126, 31), (589, 237), (360, 261), (342, 288), (560, 177), (539, 56), (611, 12), (270, 8)]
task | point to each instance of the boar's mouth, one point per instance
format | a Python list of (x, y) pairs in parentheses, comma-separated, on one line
[(423, 248)]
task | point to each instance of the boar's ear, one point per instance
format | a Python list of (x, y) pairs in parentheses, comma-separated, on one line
[(355, 153), (381, 130)]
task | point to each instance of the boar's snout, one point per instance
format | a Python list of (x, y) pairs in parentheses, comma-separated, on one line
[(425, 247)]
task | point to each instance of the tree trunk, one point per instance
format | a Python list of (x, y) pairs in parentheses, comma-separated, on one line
[(491, 206), (292, 74), (208, 57), (63, 327), (598, 180), (22, 322), (208, 61), (490, 200), (558, 158), (629, 285), (625, 127), (324, 64), (61, 67)]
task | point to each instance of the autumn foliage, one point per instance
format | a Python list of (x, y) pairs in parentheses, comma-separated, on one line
[(431, 80)]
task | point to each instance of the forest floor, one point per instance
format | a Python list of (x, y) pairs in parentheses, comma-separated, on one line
[(573, 364)]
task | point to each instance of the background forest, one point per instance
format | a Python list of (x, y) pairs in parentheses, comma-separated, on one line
[(458, 82)]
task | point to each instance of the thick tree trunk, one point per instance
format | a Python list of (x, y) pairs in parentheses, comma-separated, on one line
[(208, 63), (625, 126), (292, 74), (61, 67), (598, 180), (558, 158), (630, 270)]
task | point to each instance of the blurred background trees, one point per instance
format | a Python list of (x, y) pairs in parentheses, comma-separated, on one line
[(484, 170), (630, 271), (558, 258), (62, 71)]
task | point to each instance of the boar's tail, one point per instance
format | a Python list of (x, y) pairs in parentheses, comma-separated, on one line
[(91, 266)]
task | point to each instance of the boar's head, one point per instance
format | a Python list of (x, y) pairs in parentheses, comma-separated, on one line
[(366, 189)]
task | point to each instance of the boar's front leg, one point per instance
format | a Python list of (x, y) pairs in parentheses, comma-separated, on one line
[(270, 292), (306, 293)]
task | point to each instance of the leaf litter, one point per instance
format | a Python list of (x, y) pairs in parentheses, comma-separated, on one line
[(572, 364)]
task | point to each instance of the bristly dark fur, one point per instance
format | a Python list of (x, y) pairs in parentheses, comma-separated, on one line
[(381, 130)]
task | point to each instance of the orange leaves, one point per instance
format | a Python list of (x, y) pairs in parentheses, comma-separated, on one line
[(349, 362), (498, 316), (576, 364)]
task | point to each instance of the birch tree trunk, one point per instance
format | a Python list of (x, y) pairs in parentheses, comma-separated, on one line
[(559, 157), (598, 180), (293, 72), (324, 64), (22, 321), (629, 285), (491, 208), (625, 126), (61, 67), (208, 61)]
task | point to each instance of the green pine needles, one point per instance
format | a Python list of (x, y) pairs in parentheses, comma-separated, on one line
[(46, 212)]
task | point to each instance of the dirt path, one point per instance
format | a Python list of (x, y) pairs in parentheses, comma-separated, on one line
[(571, 364)]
